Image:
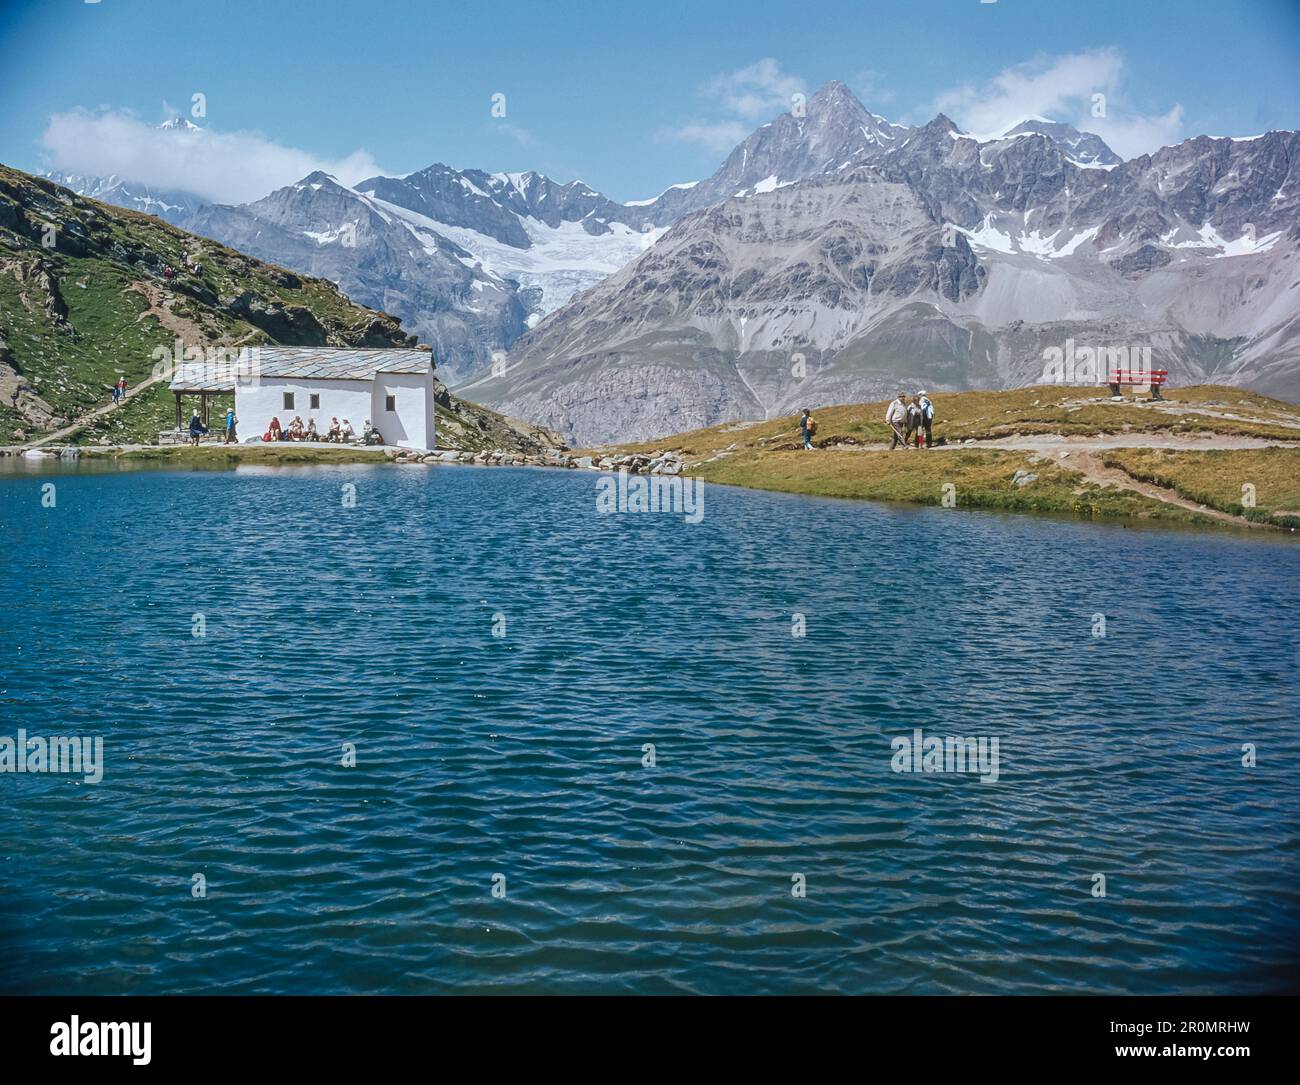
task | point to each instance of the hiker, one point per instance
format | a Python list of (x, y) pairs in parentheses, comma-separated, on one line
[(808, 428), (335, 434), (913, 421), (273, 431), (197, 429), (121, 388), (371, 435), (927, 417), (348, 434), (230, 424), (312, 435), (896, 418), (296, 431), (117, 395)]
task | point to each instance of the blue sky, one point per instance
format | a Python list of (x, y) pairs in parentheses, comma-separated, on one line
[(630, 97)]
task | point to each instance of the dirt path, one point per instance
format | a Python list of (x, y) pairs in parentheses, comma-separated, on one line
[(84, 420), (1090, 465), (160, 302), (1082, 454), (1055, 442)]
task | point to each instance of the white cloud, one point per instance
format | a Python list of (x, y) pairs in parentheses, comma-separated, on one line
[(755, 92), (1062, 88), (722, 136), (520, 135), (739, 100), (226, 167), (872, 89), (1130, 135)]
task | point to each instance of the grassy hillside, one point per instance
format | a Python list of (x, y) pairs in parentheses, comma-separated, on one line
[(1050, 449), (84, 300), (1262, 485), (1040, 410)]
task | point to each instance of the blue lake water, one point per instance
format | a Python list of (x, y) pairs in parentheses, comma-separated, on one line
[(521, 755)]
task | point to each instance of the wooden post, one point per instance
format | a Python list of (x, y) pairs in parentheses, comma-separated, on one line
[(203, 407), (178, 412)]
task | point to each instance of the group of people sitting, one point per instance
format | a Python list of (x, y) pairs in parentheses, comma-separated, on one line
[(338, 433), (296, 431), (910, 419)]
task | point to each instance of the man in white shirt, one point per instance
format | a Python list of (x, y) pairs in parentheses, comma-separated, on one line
[(896, 418)]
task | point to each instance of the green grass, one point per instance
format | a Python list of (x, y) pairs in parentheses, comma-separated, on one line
[(100, 254), (1223, 479), (979, 479), (983, 415)]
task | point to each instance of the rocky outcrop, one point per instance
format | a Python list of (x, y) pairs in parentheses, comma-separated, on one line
[(659, 463), (17, 394), (283, 323)]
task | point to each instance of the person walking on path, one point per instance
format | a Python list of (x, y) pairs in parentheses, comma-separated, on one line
[(913, 421), (197, 429), (230, 424), (927, 417), (808, 428), (896, 419)]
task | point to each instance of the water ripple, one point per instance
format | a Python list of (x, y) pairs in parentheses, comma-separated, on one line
[(327, 628)]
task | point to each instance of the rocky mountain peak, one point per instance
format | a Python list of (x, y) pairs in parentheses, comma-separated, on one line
[(1082, 148)]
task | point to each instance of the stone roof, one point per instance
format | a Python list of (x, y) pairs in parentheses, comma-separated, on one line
[(220, 374)]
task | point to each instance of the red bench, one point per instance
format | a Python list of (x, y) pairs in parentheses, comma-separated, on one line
[(1144, 378)]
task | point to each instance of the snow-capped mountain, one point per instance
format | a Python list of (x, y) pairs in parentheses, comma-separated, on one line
[(944, 260), (551, 239), (870, 249), (382, 256), (1081, 148), (835, 132), (169, 204), (467, 260), (172, 205)]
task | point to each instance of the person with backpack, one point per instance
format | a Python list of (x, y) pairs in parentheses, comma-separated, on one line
[(927, 417), (913, 421), (230, 425), (808, 428)]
